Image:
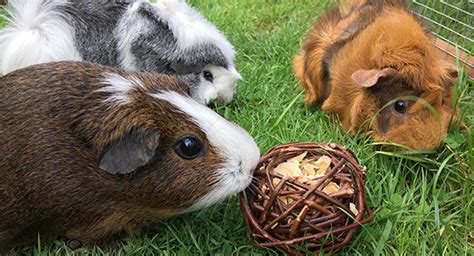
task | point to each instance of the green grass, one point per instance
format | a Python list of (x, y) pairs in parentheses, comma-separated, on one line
[(423, 203), (2, 21)]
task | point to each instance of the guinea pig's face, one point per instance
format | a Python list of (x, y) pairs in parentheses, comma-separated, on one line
[(406, 115), (172, 37), (217, 157), (181, 155), (217, 83)]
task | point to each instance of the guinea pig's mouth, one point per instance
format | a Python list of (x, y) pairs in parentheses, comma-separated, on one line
[(239, 173), (240, 180), (229, 183), (241, 169), (233, 177)]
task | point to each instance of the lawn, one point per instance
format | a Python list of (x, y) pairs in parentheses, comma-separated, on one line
[(423, 201)]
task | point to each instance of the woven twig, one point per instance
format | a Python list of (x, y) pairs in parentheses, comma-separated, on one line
[(288, 212)]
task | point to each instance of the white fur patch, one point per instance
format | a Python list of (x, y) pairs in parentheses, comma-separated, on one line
[(190, 28), (222, 88), (131, 25), (119, 87), (36, 33), (238, 148)]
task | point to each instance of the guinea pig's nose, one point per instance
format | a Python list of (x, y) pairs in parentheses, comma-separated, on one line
[(247, 167), (241, 167)]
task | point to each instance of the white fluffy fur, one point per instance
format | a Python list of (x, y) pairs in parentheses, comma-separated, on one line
[(234, 144), (119, 87), (222, 88), (135, 26), (36, 34), (191, 28)]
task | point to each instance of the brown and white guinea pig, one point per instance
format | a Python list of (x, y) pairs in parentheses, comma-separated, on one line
[(89, 151), (376, 68)]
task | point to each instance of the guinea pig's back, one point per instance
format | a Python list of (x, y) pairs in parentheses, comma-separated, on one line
[(94, 26), (394, 38), (37, 90), (30, 100), (20, 112), (43, 164), (43, 31), (38, 103)]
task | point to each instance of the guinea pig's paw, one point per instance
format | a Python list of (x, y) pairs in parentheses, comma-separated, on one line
[(74, 244), (107, 244), (110, 245), (217, 83)]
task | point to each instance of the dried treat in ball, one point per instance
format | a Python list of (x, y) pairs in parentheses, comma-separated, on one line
[(306, 196)]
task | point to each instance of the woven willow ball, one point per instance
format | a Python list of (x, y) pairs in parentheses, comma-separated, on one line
[(288, 214)]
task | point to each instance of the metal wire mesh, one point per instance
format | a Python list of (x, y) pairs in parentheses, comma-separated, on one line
[(451, 21)]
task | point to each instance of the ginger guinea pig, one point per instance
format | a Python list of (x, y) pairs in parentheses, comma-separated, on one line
[(89, 151), (375, 67), (168, 37)]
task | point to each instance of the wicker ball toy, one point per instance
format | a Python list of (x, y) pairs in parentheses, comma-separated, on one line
[(298, 216)]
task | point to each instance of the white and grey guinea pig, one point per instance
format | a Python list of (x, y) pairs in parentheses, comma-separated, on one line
[(88, 151), (164, 37)]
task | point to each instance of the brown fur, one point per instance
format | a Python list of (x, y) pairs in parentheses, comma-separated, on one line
[(54, 129), (375, 35)]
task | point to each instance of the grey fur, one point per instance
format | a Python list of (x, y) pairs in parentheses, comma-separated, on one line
[(94, 25), (168, 37), (98, 26)]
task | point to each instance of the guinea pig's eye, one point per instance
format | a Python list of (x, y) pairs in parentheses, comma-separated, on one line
[(208, 76), (400, 106), (188, 147)]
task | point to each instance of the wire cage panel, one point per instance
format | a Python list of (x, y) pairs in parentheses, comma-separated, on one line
[(452, 24)]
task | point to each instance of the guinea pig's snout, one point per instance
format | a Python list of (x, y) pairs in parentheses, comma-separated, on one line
[(249, 157), (242, 169), (228, 85), (242, 155)]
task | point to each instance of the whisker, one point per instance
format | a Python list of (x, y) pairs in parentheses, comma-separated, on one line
[(253, 188)]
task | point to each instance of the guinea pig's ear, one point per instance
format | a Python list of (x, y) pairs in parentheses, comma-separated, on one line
[(181, 68), (368, 78), (450, 69), (131, 152)]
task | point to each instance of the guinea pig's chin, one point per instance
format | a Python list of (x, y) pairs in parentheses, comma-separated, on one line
[(230, 183), (401, 139)]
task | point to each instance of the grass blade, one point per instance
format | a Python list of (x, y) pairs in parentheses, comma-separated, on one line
[(280, 118), (383, 239)]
